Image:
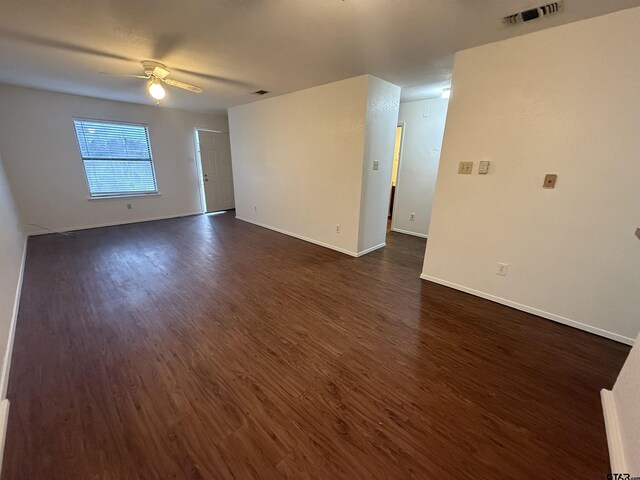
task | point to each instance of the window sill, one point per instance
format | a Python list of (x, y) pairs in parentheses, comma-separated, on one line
[(133, 195)]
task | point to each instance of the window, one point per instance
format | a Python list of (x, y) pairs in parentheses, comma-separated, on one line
[(117, 158)]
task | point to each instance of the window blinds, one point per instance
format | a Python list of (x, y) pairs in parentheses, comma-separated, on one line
[(117, 158)]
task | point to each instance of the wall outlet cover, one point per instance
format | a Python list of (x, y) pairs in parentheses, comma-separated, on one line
[(502, 269), (550, 180), (638, 233), (483, 168), (376, 164)]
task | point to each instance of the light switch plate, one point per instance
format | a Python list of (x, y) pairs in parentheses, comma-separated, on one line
[(465, 168), (550, 180), (483, 168)]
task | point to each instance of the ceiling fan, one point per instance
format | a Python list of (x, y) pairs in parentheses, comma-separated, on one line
[(156, 74)]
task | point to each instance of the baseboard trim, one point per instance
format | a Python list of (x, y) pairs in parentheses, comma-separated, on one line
[(533, 311), (407, 232), (301, 237), (6, 365), (4, 421), (369, 250), (110, 224), (614, 438)]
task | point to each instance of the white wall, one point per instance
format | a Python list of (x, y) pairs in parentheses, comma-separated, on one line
[(298, 161), (423, 131), (12, 245), (626, 394), (564, 101), (12, 251), (380, 135), (45, 169), (622, 415)]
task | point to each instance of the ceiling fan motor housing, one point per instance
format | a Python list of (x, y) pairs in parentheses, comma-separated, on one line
[(154, 69)]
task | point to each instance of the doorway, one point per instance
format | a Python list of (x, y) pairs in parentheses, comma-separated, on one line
[(397, 153), (213, 151)]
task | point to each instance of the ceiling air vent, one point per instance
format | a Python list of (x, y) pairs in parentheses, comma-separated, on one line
[(533, 13), (260, 92)]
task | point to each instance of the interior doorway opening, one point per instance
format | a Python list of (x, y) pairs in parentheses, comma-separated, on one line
[(397, 154), (215, 173)]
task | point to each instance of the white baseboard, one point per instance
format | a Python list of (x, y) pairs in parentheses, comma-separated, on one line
[(110, 224), (4, 421), (534, 311), (614, 438), (300, 237), (6, 361), (407, 232), (369, 250)]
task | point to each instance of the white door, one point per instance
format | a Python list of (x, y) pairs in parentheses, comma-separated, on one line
[(214, 151)]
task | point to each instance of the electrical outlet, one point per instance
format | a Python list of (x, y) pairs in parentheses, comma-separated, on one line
[(129, 207), (337, 228), (412, 217), (465, 168), (376, 165), (502, 269), (638, 233)]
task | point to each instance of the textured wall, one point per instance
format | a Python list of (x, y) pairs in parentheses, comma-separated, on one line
[(562, 101)]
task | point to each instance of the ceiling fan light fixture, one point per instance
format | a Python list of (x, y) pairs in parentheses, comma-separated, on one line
[(156, 90), (155, 74)]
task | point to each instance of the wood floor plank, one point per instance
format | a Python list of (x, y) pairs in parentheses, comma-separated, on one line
[(208, 348)]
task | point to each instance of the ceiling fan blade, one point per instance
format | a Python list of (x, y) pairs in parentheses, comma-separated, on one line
[(125, 75), (61, 45), (185, 86), (214, 78)]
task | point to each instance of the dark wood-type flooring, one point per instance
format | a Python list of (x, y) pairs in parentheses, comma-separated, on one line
[(208, 348)]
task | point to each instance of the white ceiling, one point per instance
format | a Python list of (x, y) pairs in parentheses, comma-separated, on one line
[(233, 47)]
